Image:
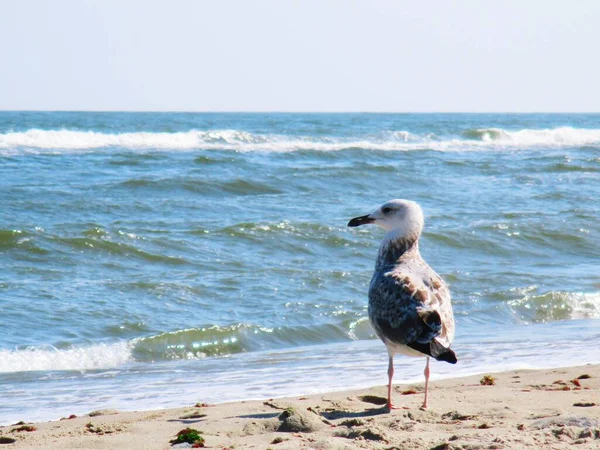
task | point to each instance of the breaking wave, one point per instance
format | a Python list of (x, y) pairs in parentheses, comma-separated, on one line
[(211, 341), (239, 338), (60, 141), (555, 305), (193, 343), (100, 356), (554, 137)]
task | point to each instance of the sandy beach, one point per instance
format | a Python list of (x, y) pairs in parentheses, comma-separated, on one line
[(551, 409)]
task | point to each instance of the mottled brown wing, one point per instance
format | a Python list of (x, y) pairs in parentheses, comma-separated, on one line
[(406, 310)]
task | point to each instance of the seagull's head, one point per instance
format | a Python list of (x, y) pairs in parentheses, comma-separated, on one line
[(405, 217)]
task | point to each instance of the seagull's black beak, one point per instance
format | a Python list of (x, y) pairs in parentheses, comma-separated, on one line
[(362, 220)]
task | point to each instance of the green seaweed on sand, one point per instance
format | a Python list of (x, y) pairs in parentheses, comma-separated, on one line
[(27, 428), (189, 435), (487, 380)]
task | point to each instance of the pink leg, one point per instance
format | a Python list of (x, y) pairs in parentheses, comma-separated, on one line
[(390, 376), (426, 373)]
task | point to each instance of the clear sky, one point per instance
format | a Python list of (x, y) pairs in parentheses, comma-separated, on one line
[(305, 55)]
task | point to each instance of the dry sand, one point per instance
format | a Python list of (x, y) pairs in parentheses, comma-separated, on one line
[(549, 409)]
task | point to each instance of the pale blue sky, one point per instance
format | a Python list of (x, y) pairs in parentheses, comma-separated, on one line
[(277, 55)]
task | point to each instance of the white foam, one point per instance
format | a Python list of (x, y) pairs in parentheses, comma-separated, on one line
[(61, 141), (68, 140), (562, 136), (48, 358), (584, 305), (557, 305)]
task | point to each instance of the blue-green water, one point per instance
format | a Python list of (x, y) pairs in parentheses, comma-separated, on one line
[(160, 259)]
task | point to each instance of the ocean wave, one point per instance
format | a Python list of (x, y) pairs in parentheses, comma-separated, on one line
[(309, 231), (74, 140), (95, 240), (238, 186), (49, 358), (11, 238), (103, 244), (192, 343), (216, 340), (552, 137), (556, 305), (19, 239), (63, 140)]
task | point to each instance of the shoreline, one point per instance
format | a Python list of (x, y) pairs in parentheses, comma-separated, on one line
[(523, 409), (287, 372)]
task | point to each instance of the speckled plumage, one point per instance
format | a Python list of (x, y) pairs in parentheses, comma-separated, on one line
[(409, 304), (404, 296)]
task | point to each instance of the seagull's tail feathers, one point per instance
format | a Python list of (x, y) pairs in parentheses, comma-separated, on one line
[(443, 353), (426, 341), (435, 350), (449, 357)]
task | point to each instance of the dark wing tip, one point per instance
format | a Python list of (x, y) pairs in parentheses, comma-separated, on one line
[(448, 356)]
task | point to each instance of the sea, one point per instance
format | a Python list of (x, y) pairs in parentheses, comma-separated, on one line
[(155, 260)]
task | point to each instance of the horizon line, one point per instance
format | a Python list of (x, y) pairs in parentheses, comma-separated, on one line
[(285, 112)]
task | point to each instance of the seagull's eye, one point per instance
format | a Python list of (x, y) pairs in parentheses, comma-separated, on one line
[(386, 210)]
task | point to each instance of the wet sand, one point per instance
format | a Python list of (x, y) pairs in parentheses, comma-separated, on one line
[(550, 409)]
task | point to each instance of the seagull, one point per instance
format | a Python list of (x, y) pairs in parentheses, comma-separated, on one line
[(409, 304)]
